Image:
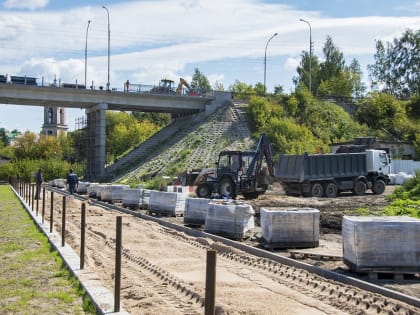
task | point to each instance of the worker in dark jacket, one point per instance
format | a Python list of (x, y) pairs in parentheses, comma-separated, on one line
[(72, 181), (38, 180)]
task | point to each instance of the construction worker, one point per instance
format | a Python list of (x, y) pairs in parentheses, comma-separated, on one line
[(72, 181), (38, 180)]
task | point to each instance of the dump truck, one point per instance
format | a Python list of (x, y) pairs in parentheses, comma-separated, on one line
[(320, 175), (238, 172)]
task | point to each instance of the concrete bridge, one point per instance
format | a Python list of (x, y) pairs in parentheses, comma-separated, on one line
[(96, 102)]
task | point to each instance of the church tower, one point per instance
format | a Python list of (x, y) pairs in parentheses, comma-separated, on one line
[(54, 121)]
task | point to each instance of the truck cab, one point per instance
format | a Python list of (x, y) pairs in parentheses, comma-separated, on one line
[(378, 161)]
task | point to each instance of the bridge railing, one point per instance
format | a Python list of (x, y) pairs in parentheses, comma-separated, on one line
[(126, 88)]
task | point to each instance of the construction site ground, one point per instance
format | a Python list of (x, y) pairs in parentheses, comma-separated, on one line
[(164, 269)]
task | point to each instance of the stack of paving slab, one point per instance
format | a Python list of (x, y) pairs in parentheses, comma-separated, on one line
[(229, 219), (132, 197), (82, 187), (381, 243), (290, 227), (60, 182), (112, 192), (145, 198), (99, 189), (167, 203), (92, 189), (196, 210)]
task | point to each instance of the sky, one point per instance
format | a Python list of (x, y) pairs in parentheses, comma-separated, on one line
[(154, 39)]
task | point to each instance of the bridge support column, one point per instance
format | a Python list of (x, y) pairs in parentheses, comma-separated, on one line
[(96, 121)]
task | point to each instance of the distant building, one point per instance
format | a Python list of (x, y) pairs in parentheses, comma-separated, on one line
[(54, 121)]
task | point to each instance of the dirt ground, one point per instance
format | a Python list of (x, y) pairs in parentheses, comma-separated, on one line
[(164, 270)]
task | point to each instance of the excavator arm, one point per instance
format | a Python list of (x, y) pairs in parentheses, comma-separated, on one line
[(182, 83), (263, 149)]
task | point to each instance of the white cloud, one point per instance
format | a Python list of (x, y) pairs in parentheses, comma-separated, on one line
[(155, 39), (291, 63), (25, 4)]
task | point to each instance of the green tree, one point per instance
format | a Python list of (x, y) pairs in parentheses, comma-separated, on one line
[(159, 119), (200, 81), (288, 137), (25, 145), (124, 131), (259, 89), (334, 62), (278, 90), (218, 86), (397, 66), (241, 90), (4, 141), (303, 72), (261, 110), (383, 111)]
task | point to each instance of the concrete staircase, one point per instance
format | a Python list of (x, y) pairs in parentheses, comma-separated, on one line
[(189, 143)]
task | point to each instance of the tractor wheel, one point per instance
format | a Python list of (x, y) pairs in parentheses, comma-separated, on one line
[(331, 190), (227, 188), (360, 188), (203, 191), (317, 190), (378, 187)]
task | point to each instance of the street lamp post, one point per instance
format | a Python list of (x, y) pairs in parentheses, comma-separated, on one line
[(109, 42), (265, 59), (310, 53), (87, 30)]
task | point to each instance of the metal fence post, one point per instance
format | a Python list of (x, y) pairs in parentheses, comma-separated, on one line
[(82, 236), (210, 303), (117, 266), (32, 197), (63, 223), (43, 204), (51, 211)]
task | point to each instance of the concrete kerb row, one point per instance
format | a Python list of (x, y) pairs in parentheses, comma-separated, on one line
[(101, 297)]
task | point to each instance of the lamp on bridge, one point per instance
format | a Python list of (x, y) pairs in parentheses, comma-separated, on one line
[(310, 53), (265, 59), (109, 42), (87, 30)]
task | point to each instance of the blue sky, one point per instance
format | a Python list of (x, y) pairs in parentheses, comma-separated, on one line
[(157, 39)]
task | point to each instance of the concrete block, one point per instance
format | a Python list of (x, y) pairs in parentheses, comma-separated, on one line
[(229, 219), (381, 243), (290, 227), (196, 210)]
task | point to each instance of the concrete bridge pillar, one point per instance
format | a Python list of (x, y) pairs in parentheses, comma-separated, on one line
[(96, 122)]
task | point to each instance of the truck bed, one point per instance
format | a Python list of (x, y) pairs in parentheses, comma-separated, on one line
[(309, 167)]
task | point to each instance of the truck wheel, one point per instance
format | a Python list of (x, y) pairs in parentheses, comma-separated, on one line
[(203, 191), (378, 187), (360, 188), (227, 188), (317, 190), (331, 190)]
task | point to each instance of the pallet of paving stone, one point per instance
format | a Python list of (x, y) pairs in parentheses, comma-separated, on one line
[(167, 203), (196, 211), (230, 219), (379, 244), (289, 227)]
